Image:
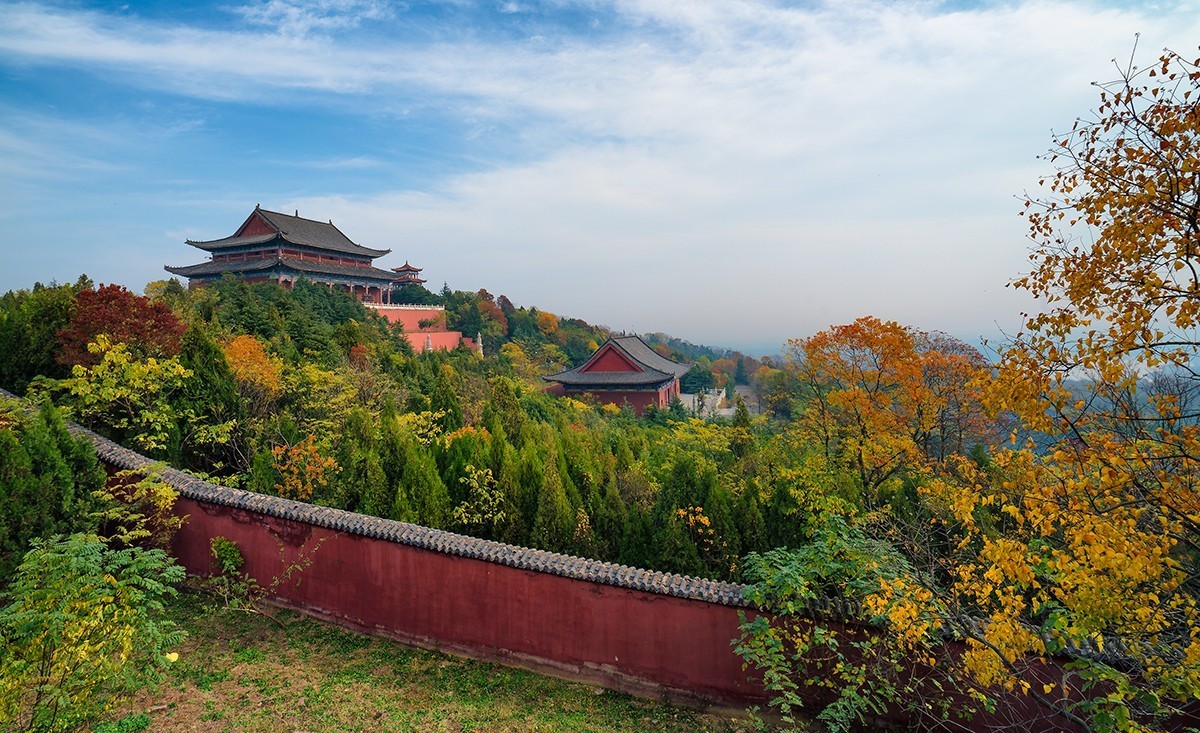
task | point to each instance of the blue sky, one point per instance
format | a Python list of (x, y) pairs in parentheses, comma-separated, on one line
[(734, 173)]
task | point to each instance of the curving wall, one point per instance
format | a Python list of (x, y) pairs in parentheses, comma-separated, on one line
[(640, 631)]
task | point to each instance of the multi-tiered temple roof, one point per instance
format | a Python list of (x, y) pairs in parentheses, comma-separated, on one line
[(270, 246)]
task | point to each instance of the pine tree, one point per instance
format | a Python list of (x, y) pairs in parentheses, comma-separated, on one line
[(750, 522), (741, 441), (376, 491), (423, 487), (211, 397), (504, 408), (637, 544)]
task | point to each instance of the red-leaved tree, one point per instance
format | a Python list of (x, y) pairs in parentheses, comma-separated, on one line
[(147, 327)]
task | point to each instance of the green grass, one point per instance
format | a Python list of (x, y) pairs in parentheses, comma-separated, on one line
[(240, 672)]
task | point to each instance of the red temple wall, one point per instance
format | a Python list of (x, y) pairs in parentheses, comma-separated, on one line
[(639, 400), (626, 639), (651, 644), (411, 318), (446, 340)]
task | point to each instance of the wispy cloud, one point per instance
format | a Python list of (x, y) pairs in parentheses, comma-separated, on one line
[(745, 168), (302, 19)]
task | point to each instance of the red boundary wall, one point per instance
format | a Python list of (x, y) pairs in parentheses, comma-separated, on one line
[(626, 639), (655, 634)]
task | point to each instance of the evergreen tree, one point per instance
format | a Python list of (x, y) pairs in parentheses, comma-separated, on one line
[(637, 545), (423, 487), (29, 326), (610, 521), (264, 476), (444, 398), (675, 552), (211, 397), (750, 523), (515, 529), (46, 481), (741, 441), (726, 543), (554, 523), (504, 408), (378, 496)]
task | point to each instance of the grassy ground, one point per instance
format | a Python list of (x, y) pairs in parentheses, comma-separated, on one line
[(239, 672)]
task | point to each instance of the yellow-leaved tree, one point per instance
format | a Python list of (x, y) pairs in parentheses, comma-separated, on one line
[(1088, 535), (1069, 563)]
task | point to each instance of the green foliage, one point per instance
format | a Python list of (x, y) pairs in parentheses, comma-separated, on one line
[(227, 557), (483, 510), (237, 590), (209, 398), (422, 486), (47, 480), (864, 669), (29, 324), (554, 521), (84, 627), (130, 397), (138, 508), (128, 724), (444, 399)]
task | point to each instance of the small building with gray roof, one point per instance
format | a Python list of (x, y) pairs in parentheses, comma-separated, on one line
[(625, 370)]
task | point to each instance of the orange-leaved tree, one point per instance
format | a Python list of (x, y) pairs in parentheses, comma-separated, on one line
[(883, 400), (259, 374)]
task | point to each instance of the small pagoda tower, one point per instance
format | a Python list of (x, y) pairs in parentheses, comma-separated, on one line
[(408, 274)]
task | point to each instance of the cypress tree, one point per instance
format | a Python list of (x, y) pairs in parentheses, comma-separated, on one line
[(46, 482), (530, 475), (750, 522), (675, 552), (505, 409), (610, 521), (554, 523), (368, 474), (264, 476), (727, 544), (444, 398), (637, 545), (423, 487), (515, 529), (741, 441)]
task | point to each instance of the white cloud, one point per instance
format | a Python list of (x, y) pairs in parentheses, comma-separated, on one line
[(733, 171)]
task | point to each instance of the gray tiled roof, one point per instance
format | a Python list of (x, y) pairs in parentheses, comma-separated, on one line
[(297, 230), (290, 263), (656, 368), (642, 352)]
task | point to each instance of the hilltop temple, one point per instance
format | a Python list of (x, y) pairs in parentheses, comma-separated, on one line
[(623, 370), (274, 247)]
